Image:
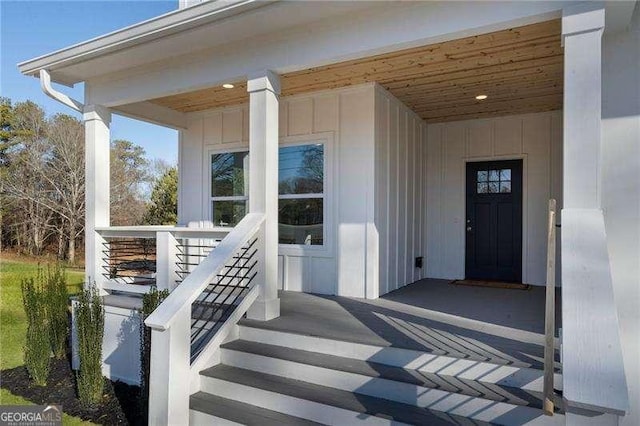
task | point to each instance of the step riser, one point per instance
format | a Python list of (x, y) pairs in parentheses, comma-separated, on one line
[(198, 418), (286, 404), (504, 375), (435, 399)]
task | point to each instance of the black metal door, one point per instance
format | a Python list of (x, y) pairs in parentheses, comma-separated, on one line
[(494, 221)]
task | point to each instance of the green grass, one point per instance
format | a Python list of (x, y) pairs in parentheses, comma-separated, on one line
[(13, 325)]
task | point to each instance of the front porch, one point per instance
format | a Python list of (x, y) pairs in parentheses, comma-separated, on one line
[(501, 326), (313, 164)]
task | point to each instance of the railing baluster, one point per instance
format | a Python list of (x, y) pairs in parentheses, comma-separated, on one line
[(550, 313)]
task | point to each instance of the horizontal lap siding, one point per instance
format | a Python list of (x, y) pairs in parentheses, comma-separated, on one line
[(345, 267), (400, 214), (536, 138)]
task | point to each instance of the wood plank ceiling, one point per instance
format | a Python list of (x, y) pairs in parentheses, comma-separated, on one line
[(520, 70)]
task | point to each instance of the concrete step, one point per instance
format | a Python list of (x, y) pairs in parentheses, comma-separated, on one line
[(207, 409), (514, 375), (314, 402), (371, 378)]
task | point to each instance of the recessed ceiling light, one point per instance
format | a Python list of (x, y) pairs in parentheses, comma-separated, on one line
[(228, 86), (481, 97)]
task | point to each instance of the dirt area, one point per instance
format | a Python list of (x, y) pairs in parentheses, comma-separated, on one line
[(120, 405)]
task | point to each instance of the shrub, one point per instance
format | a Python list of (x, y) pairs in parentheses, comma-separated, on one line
[(90, 329), (150, 301), (56, 297), (37, 350)]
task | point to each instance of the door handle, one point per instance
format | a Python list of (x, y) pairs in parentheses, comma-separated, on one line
[(468, 229)]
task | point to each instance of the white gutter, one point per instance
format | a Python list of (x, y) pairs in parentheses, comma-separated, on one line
[(45, 84), (163, 25)]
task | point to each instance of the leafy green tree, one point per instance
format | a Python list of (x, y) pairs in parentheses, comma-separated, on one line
[(6, 129), (163, 208), (129, 170)]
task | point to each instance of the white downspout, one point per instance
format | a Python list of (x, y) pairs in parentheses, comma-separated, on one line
[(45, 84)]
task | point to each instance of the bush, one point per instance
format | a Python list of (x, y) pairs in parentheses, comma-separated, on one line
[(56, 297), (90, 329), (150, 301), (37, 350)]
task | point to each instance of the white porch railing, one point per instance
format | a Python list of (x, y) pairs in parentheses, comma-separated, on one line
[(189, 326), (135, 258)]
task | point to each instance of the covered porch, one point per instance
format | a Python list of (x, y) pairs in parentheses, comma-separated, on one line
[(497, 325), (399, 118)]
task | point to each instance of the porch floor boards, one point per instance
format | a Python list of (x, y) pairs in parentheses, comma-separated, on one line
[(497, 325)]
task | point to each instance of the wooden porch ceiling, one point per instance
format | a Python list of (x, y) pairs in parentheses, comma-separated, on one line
[(520, 70)]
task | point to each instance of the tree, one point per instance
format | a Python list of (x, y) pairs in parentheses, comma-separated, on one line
[(42, 179), (23, 188), (66, 178), (129, 170), (163, 208)]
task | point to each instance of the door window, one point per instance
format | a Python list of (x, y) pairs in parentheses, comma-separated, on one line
[(493, 181)]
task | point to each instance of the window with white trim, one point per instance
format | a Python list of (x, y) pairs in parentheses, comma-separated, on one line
[(229, 187), (301, 182), (301, 194)]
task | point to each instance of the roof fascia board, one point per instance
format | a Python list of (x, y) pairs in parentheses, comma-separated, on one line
[(167, 24)]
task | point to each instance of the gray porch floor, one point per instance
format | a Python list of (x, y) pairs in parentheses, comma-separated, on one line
[(488, 324)]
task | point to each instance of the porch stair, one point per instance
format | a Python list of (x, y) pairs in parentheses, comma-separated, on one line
[(283, 377)]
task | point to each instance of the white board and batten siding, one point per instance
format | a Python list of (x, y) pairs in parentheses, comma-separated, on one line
[(345, 120), (400, 215), (534, 138)]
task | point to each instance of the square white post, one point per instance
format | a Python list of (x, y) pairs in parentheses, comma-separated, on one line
[(582, 27), (264, 89), (170, 372), (166, 258), (97, 197)]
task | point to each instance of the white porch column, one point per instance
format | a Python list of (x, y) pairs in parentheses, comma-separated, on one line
[(264, 89), (97, 162), (593, 374), (582, 27)]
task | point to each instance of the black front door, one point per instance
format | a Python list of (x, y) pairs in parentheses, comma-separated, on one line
[(494, 221)]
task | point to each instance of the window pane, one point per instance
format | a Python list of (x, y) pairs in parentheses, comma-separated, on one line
[(482, 175), (493, 187), (493, 175), (505, 174), (301, 169), (482, 188), (505, 186), (300, 221), (228, 213), (227, 174)]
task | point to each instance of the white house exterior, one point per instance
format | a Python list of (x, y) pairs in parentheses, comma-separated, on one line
[(375, 101)]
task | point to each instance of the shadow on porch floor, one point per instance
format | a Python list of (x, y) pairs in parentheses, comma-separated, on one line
[(486, 324)]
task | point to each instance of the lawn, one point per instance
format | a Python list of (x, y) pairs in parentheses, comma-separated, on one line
[(13, 321)]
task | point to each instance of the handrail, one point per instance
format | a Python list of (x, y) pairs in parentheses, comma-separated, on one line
[(195, 283), (550, 312), (150, 231)]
